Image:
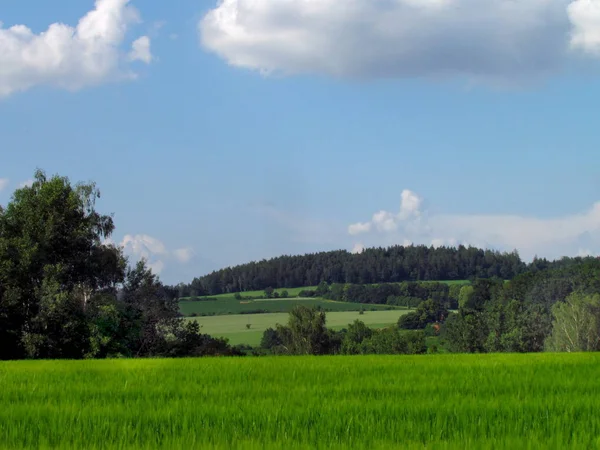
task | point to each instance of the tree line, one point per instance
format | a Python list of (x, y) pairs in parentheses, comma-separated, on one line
[(376, 265)]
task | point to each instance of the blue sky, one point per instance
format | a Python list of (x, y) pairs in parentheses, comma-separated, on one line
[(246, 129)]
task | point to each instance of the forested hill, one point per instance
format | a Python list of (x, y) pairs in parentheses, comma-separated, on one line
[(377, 265)]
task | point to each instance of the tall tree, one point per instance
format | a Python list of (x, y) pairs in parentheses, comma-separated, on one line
[(52, 261), (305, 333), (576, 324), (150, 315)]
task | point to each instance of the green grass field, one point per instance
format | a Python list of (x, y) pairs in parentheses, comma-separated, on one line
[(544, 401), (292, 292), (232, 306), (233, 327)]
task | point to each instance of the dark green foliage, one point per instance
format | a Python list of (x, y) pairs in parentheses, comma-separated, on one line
[(51, 263), (391, 341), (517, 327), (377, 265), (465, 332), (270, 339), (429, 311), (322, 290), (307, 293), (305, 333), (410, 321), (188, 341), (517, 316), (356, 334)]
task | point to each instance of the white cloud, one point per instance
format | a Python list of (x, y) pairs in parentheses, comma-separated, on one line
[(358, 248), (410, 205), (480, 39), (156, 266), (68, 57), (154, 251), (384, 221), (140, 50), (3, 183), (555, 237), (143, 245), (26, 183), (585, 16), (183, 255), (359, 228)]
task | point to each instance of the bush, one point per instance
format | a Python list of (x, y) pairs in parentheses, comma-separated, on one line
[(431, 330), (188, 341), (390, 341), (270, 339), (306, 293), (410, 321)]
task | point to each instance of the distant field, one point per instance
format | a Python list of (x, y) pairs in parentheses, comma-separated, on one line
[(292, 292), (463, 402), (229, 305), (233, 327), (448, 282)]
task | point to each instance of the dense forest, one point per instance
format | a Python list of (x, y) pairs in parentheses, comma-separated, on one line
[(375, 265)]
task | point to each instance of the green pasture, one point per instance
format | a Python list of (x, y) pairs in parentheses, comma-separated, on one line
[(292, 292), (542, 401), (234, 327)]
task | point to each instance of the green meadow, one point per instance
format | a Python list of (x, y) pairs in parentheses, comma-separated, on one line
[(234, 327), (292, 292), (541, 401)]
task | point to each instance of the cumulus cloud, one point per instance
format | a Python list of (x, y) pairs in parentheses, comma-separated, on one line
[(481, 39), (26, 183), (569, 235), (585, 17), (154, 251), (385, 221), (140, 50), (3, 183), (143, 245), (69, 57), (359, 228)]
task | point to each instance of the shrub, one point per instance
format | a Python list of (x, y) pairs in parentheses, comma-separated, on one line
[(410, 321)]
